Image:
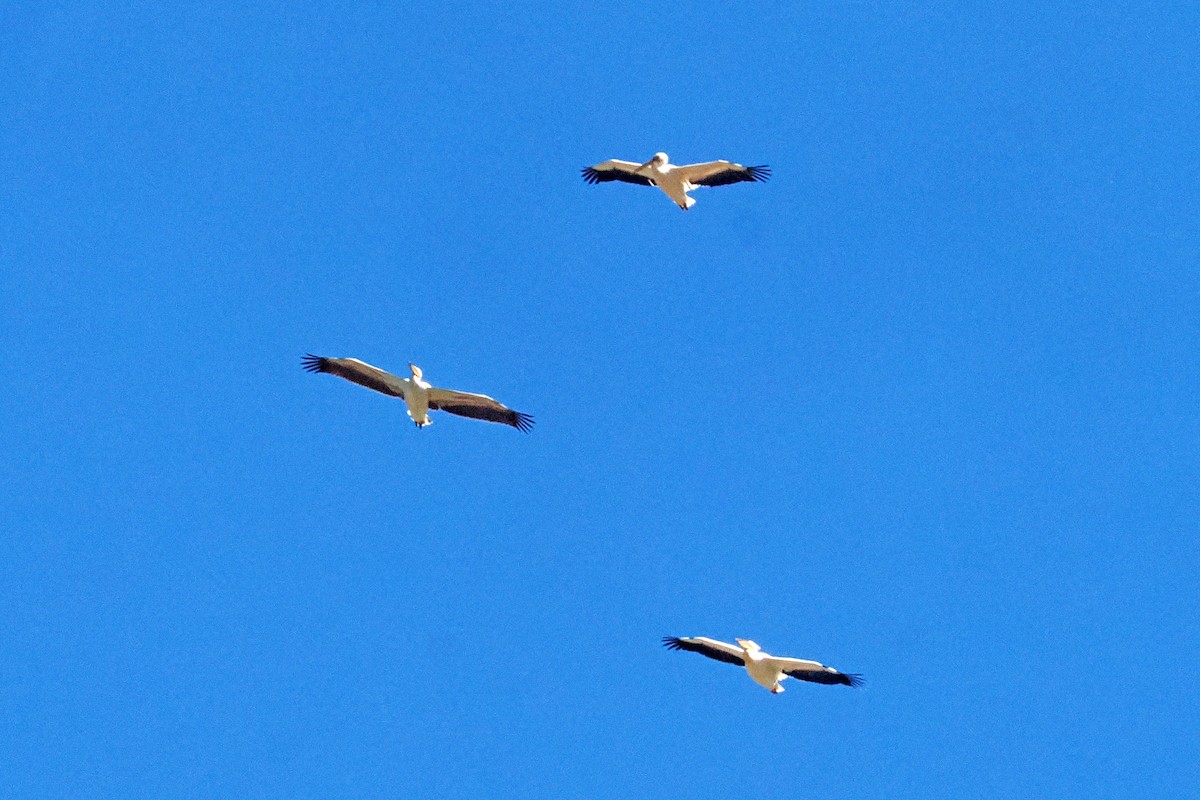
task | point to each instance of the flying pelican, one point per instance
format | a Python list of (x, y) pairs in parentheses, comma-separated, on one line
[(766, 670), (419, 396), (675, 181)]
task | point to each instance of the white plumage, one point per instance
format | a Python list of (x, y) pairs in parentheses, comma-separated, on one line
[(419, 396), (674, 180), (766, 670)]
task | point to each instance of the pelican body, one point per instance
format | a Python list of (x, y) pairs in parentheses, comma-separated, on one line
[(675, 180), (418, 395), (767, 670)]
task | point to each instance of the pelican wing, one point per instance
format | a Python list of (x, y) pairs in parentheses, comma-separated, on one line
[(721, 173), (478, 406), (720, 651), (357, 371), (614, 170), (815, 672)]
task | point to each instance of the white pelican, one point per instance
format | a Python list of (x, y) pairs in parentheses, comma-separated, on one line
[(419, 396), (767, 670), (675, 181)]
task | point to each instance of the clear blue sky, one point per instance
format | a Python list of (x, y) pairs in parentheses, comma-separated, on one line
[(923, 407)]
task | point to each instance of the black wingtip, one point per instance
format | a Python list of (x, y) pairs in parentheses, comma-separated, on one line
[(522, 422), (590, 175), (672, 643), (853, 679), (312, 363), (759, 173)]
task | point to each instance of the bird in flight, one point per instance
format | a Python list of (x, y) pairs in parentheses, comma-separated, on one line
[(674, 180), (766, 670), (419, 396)]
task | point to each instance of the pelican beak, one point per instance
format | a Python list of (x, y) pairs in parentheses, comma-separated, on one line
[(645, 166)]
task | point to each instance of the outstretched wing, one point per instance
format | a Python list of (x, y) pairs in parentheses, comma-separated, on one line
[(614, 170), (357, 371), (478, 406), (816, 672), (720, 651), (722, 173)]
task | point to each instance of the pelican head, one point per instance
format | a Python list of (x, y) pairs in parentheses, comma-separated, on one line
[(748, 645), (658, 160), (416, 371)]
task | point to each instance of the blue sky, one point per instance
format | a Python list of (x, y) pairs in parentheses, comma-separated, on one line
[(924, 406)]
